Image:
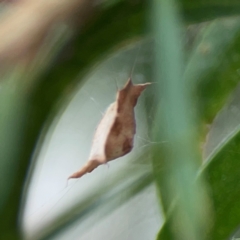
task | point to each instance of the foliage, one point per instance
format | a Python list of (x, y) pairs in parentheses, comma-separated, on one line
[(198, 192)]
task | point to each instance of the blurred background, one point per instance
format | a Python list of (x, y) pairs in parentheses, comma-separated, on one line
[(61, 65)]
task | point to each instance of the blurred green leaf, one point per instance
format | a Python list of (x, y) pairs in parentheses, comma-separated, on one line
[(15, 124), (222, 172), (176, 162), (224, 126), (13, 107), (201, 10), (221, 147), (221, 168), (213, 65)]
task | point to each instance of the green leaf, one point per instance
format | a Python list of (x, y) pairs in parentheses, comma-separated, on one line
[(222, 173), (201, 10), (176, 162), (221, 149), (224, 126), (221, 152), (13, 107), (213, 65), (222, 170)]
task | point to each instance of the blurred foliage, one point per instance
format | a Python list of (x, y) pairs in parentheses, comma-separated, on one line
[(195, 83)]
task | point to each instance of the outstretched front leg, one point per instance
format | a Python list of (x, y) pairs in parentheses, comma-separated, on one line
[(87, 168)]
